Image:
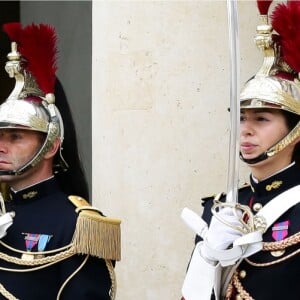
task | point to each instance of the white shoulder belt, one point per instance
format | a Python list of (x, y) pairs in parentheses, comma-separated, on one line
[(279, 205)]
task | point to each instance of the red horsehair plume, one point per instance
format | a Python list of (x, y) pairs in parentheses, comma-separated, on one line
[(263, 6), (37, 44), (13, 30), (286, 22)]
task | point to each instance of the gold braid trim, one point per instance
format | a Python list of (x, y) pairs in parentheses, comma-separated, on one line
[(38, 263), (273, 246), (229, 290), (5, 293), (290, 241), (277, 261), (242, 294), (111, 270), (70, 277), (112, 274)]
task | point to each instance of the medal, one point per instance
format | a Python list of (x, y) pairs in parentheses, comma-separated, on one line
[(33, 239), (280, 232)]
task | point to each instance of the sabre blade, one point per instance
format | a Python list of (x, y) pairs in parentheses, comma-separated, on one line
[(233, 161)]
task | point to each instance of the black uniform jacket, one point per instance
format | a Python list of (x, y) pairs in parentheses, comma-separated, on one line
[(45, 210), (271, 275)]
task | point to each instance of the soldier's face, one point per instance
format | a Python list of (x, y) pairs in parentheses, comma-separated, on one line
[(17, 147), (260, 129)]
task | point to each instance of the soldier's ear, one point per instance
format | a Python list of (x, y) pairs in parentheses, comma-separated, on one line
[(54, 148)]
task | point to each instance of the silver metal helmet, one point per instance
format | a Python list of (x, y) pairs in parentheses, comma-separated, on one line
[(30, 106)]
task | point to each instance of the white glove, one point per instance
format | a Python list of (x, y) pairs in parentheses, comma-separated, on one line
[(220, 236), (6, 221)]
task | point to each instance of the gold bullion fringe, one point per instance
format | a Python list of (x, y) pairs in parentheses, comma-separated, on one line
[(97, 235)]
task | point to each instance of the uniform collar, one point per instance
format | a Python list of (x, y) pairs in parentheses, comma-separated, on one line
[(277, 183), (35, 191)]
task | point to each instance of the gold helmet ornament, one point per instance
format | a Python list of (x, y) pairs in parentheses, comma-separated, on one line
[(276, 85), (31, 104)]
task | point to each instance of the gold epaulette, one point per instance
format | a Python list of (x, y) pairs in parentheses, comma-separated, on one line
[(95, 234)]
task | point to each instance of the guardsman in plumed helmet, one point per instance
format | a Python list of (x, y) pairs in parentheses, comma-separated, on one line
[(250, 250), (53, 245)]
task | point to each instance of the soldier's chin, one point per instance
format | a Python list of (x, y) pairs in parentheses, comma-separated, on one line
[(249, 156)]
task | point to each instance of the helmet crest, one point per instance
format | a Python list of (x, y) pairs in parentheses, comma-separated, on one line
[(36, 44)]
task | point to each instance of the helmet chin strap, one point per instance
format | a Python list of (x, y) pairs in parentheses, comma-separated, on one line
[(255, 160), (7, 172)]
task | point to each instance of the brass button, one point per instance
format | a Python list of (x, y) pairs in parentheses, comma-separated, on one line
[(242, 274), (257, 207), (277, 253)]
